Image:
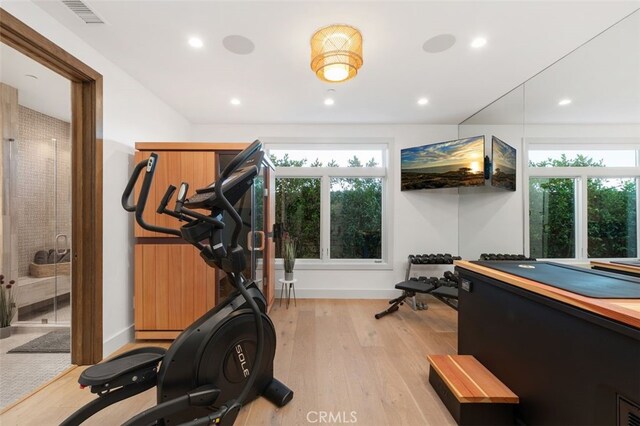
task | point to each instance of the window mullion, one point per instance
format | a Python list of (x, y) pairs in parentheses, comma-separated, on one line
[(524, 161), (325, 218), (583, 217)]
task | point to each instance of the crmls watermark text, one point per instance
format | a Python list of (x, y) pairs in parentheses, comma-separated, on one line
[(332, 417)]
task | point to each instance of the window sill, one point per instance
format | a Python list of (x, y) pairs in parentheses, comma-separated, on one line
[(339, 266)]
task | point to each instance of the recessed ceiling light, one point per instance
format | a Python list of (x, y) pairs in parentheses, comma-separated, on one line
[(423, 101), (196, 42), (35, 77), (478, 42), (564, 102), (329, 101), (235, 101)]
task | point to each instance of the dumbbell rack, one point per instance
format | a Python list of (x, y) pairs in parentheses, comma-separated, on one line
[(424, 269)]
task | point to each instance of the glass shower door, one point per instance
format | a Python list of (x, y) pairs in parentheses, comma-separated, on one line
[(62, 230), (40, 188)]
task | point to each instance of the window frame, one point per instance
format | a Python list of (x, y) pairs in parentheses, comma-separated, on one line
[(325, 174), (581, 176)]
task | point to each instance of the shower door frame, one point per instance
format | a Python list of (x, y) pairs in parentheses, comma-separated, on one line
[(86, 182)]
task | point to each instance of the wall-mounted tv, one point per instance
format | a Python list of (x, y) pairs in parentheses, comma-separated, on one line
[(443, 165), (504, 165)]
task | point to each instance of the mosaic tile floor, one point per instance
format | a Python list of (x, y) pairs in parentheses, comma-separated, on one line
[(22, 373)]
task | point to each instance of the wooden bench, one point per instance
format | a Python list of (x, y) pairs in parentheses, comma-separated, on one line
[(470, 392)]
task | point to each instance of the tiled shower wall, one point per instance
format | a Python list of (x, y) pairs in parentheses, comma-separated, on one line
[(43, 187)]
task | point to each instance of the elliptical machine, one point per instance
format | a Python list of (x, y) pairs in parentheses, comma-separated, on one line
[(224, 359)]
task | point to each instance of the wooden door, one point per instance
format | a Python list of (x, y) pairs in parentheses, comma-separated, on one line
[(197, 168), (173, 288)]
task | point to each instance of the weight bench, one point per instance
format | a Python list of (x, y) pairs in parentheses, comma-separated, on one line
[(447, 295), (409, 289)]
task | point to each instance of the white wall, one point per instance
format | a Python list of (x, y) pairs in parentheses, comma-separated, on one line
[(491, 219), (422, 221), (131, 113)]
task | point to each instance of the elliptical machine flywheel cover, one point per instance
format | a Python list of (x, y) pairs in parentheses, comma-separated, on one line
[(226, 360)]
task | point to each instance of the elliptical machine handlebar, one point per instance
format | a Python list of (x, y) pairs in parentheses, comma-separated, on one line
[(130, 185), (138, 207)]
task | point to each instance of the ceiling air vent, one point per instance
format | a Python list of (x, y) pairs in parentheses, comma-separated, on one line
[(83, 12)]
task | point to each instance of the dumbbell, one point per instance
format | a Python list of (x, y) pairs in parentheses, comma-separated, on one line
[(451, 276), (443, 282)]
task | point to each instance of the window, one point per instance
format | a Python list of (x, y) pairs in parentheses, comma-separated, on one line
[(612, 218), (583, 203), (298, 209), (582, 158), (330, 199), (552, 221), (356, 218)]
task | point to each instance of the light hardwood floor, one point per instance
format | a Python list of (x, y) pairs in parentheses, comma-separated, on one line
[(334, 355)]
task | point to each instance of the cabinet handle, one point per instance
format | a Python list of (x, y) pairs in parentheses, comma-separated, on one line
[(250, 237), (262, 240), (250, 241)]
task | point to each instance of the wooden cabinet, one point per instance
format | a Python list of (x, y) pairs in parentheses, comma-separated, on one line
[(173, 285)]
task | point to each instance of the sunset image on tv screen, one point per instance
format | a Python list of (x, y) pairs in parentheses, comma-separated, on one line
[(504, 165), (443, 165)]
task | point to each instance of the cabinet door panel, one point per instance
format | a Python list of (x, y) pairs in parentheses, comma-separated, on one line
[(174, 287), (146, 301), (197, 168), (188, 293)]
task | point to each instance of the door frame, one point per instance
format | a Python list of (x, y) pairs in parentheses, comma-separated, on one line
[(86, 178)]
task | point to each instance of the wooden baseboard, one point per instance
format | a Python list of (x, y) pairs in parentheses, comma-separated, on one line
[(157, 335)]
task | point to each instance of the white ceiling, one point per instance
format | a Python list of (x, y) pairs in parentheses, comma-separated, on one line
[(49, 94), (601, 78), (148, 39)]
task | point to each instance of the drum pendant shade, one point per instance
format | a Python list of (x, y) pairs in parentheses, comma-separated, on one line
[(336, 53)]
